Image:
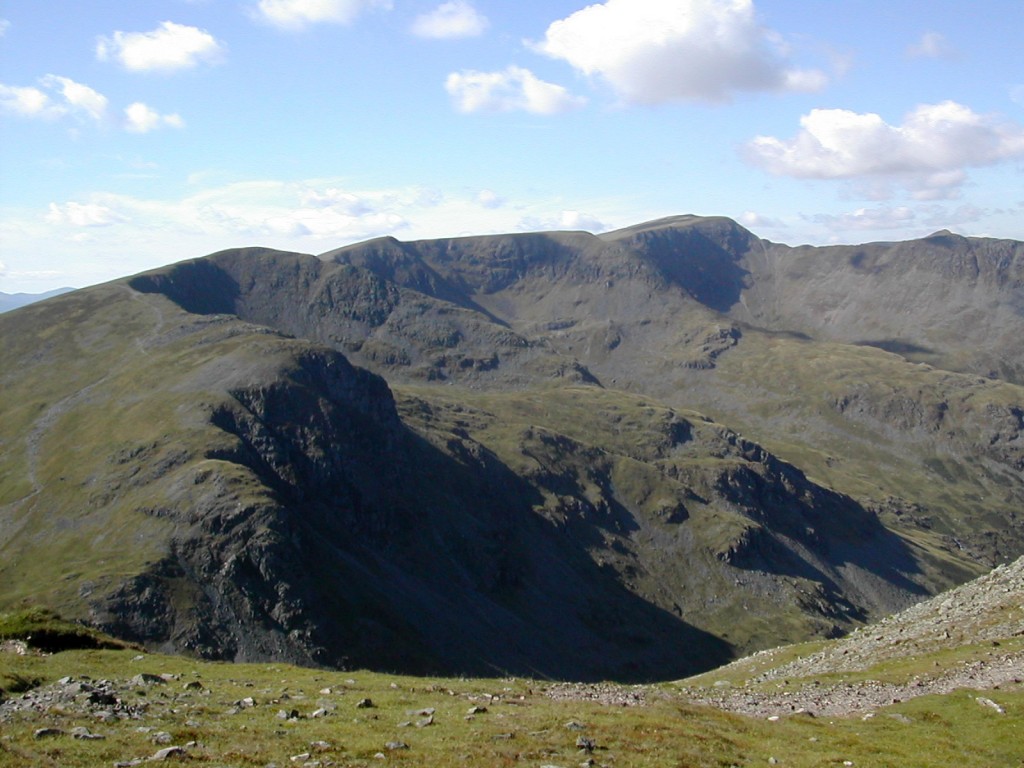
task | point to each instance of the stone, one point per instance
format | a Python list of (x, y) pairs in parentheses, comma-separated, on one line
[(168, 753), (395, 745), (44, 733), (986, 702), (587, 745), (83, 733), (147, 679), (365, 704)]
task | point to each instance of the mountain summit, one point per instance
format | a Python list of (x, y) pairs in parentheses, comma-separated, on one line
[(631, 456)]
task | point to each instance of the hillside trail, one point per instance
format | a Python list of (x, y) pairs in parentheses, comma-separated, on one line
[(982, 620), (998, 671)]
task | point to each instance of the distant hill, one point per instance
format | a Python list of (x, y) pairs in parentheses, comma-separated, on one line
[(9, 301), (628, 456)]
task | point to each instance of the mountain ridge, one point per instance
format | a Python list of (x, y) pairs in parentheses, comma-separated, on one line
[(582, 442)]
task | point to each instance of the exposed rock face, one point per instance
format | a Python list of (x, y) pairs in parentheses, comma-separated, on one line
[(520, 484)]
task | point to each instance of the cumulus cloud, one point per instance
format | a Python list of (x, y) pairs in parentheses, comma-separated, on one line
[(653, 51), (298, 14), (4, 26), (932, 45), (28, 102), (509, 90), (78, 97), (457, 18), (927, 151), (168, 47), (141, 118)]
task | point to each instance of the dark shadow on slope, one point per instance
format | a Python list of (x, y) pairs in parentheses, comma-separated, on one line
[(473, 581), (703, 260), (834, 528), (197, 286), (896, 346), (400, 263)]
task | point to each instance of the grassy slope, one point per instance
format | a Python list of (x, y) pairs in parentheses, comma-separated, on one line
[(784, 393), (522, 726), (107, 432)]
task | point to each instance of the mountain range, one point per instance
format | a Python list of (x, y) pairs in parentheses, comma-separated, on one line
[(633, 456)]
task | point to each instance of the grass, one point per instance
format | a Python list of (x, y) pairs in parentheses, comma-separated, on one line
[(521, 725), (43, 629)]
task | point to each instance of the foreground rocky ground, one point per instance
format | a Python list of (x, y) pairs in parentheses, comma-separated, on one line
[(937, 685)]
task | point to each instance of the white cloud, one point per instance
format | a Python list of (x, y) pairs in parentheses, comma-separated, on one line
[(28, 102), (168, 47), (653, 51), (457, 18), (566, 220), (78, 96), (489, 199), (4, 26), (337, 199), (753, 220), (510, 90), (297, 14), (140, 118), (862, 219), (927, 152), (1017, 94), (932, 45), (83, 215)]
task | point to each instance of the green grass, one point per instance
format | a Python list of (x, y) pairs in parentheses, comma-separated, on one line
[(44, 630), (522, 725)]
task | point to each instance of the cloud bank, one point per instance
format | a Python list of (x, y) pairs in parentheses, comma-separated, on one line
[(654, 51)]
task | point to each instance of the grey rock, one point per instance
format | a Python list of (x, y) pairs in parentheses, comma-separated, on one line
[(169, 753)]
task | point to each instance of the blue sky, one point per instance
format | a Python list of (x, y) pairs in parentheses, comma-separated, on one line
[(133, 135)]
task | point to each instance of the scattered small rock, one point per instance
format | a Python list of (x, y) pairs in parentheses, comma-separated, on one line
[(986, 702), (365, 704), (83, 733), (395, 745), (43, 733), (145, 678), (168, 753)]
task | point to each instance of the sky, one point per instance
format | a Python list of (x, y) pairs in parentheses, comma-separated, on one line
[(134, 135)]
